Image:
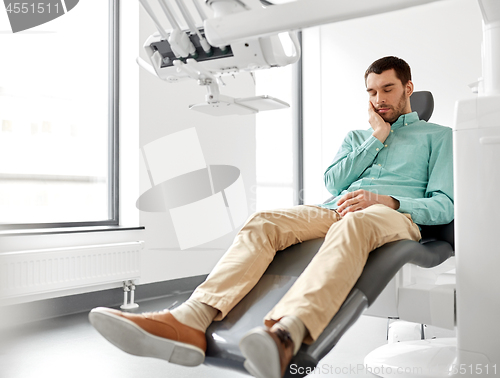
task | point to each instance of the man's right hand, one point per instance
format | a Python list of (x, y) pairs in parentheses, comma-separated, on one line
[(380, 127)]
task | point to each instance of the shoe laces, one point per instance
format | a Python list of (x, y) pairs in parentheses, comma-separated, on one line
[(284, 336)]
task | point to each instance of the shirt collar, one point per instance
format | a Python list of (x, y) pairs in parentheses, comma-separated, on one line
[(404, 120)]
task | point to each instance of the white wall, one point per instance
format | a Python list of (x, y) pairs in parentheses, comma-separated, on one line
[(440, 41), (226, 140)]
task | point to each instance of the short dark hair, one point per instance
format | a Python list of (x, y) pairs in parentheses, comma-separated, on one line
[(402, 69)]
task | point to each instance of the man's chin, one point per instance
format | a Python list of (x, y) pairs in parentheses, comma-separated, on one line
[(390, 119)]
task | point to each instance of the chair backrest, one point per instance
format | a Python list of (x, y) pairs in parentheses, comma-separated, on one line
[(443, 232), (422, 102)]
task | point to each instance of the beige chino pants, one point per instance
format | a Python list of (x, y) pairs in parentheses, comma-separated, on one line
[(320, 290)]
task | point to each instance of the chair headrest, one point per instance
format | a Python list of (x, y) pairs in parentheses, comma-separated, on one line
[(422, 102)]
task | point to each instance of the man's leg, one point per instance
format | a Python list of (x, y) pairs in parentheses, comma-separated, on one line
[(254, 249), (321, 289), (232, 278)]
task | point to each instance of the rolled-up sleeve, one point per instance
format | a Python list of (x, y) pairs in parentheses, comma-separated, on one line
[(349, 163)]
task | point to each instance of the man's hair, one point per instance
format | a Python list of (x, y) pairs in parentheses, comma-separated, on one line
[(401, 68)]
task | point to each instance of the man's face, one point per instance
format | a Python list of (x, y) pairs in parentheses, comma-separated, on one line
[(388, 95)]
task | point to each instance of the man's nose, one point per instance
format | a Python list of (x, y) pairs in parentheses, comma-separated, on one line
[(380, 99)]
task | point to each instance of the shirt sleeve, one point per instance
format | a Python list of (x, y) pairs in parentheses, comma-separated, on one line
[(437, 206), (350, 162)]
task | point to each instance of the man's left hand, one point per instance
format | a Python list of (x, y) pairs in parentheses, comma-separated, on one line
[(361, 199)]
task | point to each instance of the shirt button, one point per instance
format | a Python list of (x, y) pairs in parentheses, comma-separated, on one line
[(377, 149), (385, 145), (406, 124), (373, 178), (392, 131), (380, 165)]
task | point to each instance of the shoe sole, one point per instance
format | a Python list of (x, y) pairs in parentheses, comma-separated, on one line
[(132, 339), (261, 353)]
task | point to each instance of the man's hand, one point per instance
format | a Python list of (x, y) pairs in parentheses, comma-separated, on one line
[(361, 199), (380, 127)]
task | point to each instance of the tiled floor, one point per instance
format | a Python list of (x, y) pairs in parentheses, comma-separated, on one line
[(69, 347)]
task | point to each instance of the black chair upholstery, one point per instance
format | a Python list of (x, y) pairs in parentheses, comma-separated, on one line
[(223, 337), (423, 103)]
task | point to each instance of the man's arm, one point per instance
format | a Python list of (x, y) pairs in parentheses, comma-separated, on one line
[(349, 163), (437, 206)]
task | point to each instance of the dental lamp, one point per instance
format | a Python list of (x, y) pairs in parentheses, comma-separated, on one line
[(243, 36), (177, 55)]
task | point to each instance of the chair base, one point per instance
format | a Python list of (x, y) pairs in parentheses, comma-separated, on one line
[(418, 358)]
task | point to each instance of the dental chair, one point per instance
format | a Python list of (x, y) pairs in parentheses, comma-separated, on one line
[(436, 246)]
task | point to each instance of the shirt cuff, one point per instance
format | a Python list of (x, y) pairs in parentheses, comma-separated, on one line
[(372, 145), (405, 205)]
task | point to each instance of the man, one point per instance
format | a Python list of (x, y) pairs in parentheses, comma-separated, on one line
[(386, 180)]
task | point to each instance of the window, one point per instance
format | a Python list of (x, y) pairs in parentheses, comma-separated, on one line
[(58, 120)]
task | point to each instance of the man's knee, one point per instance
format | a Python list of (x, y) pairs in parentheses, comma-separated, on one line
[(265, 215), (357, 218), (264, 222), (277, 215), (276, 222)]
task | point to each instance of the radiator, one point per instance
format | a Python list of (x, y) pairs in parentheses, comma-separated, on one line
[(50, 270)]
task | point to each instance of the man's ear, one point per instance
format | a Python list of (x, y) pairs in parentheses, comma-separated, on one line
[(409, 88)]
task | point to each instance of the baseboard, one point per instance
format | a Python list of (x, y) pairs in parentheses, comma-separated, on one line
[(73, 304)]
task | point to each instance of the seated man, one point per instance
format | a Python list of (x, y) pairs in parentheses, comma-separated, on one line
[(386, 180)]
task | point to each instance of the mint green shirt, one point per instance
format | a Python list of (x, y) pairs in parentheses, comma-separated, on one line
[(414, 165)]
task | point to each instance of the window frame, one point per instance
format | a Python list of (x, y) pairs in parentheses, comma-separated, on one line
[(113, 137), (298, 128)]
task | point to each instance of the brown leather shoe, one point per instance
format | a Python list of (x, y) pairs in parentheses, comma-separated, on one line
[(268, 352), (153, 334)]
